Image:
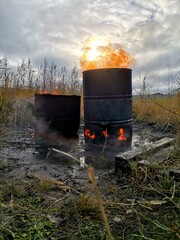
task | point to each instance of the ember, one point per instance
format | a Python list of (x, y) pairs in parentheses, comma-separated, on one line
[(121, 135), (88, 134), (105, 133)]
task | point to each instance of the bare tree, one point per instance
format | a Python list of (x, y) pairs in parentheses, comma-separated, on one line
[(30, 75)]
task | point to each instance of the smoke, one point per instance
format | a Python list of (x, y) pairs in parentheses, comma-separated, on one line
[(22, 112)]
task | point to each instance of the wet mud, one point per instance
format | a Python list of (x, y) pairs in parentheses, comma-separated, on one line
[(24, 152)]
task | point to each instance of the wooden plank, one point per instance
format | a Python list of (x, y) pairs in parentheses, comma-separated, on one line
[(123, 161)]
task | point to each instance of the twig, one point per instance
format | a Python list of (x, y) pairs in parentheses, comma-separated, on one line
[(58, 200), (105, 142), (69, 155), (58, 184)]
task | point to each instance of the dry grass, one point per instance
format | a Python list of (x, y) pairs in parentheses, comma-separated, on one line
[(21, 84), (144, 205), (164, 110), (136, 207)]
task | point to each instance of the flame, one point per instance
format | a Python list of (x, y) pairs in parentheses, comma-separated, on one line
[(53, 92), (105, 133), (87, 133), (43, 92), (121, 136), (98, 53)]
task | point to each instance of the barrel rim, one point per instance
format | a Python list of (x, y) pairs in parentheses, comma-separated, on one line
[(108, 69), (53, 95)]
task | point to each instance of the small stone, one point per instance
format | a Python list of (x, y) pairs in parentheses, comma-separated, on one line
[(144, 162), (117, 219)]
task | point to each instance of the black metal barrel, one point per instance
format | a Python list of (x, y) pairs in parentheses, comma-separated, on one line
[(58, 112), (108, 102)]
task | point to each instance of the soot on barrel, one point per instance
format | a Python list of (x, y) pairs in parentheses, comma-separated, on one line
[(108, 106), (59, 113)]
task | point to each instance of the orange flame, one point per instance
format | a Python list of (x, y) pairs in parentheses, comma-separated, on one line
[(97, 53), (87, 133), (43, 92), (121, 136), (105, 133), (53, 92)]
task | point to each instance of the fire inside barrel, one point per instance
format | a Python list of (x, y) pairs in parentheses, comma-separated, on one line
[(107, 88), (108, 105), (57, 112)]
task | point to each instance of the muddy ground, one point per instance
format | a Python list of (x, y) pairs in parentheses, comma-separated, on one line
[(133, 204), (20, 148)]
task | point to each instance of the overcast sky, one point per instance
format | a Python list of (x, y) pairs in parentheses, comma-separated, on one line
[(56, 29)]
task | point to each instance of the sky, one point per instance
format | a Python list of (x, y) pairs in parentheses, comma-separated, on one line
[(148, 30)]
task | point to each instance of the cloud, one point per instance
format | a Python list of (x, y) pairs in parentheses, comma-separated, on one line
[(56, 29)]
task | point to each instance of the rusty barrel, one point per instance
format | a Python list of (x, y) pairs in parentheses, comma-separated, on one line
[(59, 113), (108, 104)]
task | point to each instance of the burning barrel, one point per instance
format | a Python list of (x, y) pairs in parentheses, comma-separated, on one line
[(108, 105), (60, 113)]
